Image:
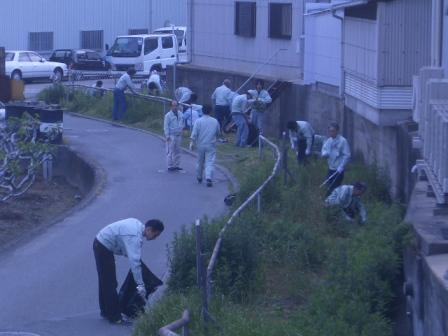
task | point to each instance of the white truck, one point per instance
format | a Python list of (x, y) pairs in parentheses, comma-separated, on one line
[(144, 52), (181, 35)]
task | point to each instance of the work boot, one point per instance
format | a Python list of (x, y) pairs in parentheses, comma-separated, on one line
[(209, 183)]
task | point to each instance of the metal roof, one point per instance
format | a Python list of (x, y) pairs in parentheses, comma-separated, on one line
[(325, 8)]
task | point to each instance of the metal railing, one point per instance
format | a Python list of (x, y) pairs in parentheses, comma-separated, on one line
[(169, 329), (431, 113), (204, 276)]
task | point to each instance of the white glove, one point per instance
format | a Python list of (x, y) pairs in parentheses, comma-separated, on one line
[(340, 170), (307, 152), (191, 146), (141, 291)]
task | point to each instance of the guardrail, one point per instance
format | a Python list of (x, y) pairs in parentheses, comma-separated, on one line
[(204, 277), (169, 329)]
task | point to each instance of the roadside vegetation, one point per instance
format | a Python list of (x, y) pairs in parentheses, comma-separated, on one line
[(297, 268)]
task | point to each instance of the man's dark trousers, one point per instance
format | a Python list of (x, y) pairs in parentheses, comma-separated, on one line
[(222, 113), (107, 282)]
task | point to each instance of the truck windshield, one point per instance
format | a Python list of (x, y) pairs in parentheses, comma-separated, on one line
[(126, 47)]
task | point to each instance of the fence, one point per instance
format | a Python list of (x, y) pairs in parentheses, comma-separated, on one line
[(431, 112), (169, 329), (205, 276)]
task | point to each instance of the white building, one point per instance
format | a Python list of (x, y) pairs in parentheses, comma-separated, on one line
[(44, 25), (240, 36)]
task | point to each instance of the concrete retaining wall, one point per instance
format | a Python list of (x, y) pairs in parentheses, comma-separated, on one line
[(76, 170)]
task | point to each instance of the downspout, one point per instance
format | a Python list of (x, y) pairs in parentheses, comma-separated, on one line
[(342, 84), (190, 4), (437, 32)]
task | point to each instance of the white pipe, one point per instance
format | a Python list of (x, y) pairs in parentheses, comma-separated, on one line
[(342, 83), (189, 43), (437, 33)]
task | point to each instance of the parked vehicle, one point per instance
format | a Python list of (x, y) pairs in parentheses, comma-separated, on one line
[(80, 59), (145, 53), (181, 35), (31, 65)]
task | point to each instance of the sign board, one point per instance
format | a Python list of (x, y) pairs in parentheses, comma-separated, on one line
[(2, 61)]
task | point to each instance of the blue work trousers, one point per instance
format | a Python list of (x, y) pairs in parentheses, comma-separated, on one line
[(120, 105), (206, 157), (242, 131)]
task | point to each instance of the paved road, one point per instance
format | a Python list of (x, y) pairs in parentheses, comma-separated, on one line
[(48, 285)]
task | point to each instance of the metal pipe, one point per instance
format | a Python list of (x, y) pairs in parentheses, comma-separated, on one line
[(437, 32), (342, 83), (182, 322), (259, 68)]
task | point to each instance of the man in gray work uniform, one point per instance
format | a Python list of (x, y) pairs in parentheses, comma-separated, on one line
[(125, 238)]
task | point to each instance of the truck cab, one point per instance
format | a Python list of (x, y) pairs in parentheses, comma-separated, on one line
[(144, 52), (181, 35)]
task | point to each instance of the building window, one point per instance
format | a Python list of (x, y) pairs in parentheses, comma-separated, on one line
[(245, 18), (280, 20), (41, 41), (138, 31), (92, 39)]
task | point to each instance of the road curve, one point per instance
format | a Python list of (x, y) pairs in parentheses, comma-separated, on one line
[(48, 284)]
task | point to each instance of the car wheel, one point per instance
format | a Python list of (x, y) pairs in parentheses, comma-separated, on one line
[(57, 75), (17, 75)]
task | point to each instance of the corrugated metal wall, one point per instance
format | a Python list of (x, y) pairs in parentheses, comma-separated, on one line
[(360, 48), (68, 18), (216, 46), (404, 40)]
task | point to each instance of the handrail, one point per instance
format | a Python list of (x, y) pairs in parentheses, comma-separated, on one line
[(256, 193), (169, 329), (139, 95)]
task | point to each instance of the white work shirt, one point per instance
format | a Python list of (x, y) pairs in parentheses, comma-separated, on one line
[(125, 238), (304, 131), (192, 114), (337, 151), (239, 104), (125, 82), (172, 124), (343, 196), (222, 96), (182, 94), (155, 78), (259, 100), (205, 131)]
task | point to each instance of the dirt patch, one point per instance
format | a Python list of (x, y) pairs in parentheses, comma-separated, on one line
[(40, 205)]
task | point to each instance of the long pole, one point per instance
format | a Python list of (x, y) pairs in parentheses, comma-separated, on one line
[(259, 68)]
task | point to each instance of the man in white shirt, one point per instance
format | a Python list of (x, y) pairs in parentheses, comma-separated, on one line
[(301, 136), (337, 150), (192, 113), (154, 84), (125, 82), (204, 135), (173, 124), (239, 105), (348, 198), (222, 99), (125, 238), (259, 101)]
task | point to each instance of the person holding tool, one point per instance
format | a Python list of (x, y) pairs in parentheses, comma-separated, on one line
[(348, 198), (125, 82), (337, 150)]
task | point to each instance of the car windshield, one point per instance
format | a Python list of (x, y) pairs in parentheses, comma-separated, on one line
[(127, 47), (9, 56)]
